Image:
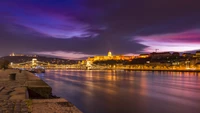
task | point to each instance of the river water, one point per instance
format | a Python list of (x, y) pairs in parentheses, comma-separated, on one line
[(127, 92)]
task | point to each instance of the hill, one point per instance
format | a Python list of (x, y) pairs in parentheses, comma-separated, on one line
[(20, 59)]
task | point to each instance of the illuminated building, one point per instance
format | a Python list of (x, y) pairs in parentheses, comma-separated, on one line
[(143, 56), (187, 55), (109, 54), (198, 65), (13, 54), (110, 57), (198, 54)]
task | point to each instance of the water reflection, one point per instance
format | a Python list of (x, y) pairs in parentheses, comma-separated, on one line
[(127, 92)]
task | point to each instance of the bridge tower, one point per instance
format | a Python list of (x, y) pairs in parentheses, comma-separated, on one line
[(88, 64), (34, 62)]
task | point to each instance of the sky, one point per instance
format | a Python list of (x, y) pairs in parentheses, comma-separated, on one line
[(76, 29)]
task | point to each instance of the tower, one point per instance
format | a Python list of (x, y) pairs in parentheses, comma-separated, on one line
[(34, 62), (109, 53)]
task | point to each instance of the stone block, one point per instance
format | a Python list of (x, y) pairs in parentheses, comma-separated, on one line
[(38, 89), (18, 97)]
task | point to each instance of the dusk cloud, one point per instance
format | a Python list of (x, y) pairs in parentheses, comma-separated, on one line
[(64, 55), (179, 42), (93, 27)]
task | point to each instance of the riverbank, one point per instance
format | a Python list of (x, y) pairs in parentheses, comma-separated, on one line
[(125, 69), (162, 70), (28, 93)]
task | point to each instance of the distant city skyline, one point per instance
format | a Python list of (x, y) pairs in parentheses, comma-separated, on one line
[(143, 55), (77, 29)]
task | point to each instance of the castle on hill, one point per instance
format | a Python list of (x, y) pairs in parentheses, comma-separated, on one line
[(110, 57)]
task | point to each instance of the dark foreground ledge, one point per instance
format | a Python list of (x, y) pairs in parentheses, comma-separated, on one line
[(27, 93)]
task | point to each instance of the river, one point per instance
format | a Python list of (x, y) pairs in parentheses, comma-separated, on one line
[(127, 92)]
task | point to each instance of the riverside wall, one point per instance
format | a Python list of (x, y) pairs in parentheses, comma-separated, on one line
[(28, 93)]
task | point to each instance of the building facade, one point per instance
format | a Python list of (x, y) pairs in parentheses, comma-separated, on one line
[(198, 54), (110, 57)]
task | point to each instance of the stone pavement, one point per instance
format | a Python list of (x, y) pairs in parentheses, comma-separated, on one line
[(13, 106), (12, 93), (14, 96), (53, 106)]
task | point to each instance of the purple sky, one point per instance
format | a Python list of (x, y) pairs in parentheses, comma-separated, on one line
[(80, 28)]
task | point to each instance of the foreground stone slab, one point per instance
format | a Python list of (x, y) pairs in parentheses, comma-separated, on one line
[(19, 91), (31, 76), (4, 97), (38, 89), (17, 97), (53, 106), (48, 100), (14, 106)]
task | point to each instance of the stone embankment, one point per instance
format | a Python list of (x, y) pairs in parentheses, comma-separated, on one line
[(170, 70), (29, 94)]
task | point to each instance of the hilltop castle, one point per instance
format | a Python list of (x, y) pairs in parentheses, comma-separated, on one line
[(110, 57)]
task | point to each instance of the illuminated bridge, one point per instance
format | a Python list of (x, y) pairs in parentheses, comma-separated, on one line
[(88, 65), (35, 62)]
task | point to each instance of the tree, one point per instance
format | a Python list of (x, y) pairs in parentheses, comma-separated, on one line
[(4, 64)]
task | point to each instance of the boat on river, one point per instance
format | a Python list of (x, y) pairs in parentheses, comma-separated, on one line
[(37, 69)]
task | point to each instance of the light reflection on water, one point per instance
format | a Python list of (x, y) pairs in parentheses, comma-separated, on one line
[(127, 92)]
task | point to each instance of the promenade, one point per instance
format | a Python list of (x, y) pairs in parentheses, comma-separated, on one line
[(15, 95)]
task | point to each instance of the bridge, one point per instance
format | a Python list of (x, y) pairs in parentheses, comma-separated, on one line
[(35, 62)]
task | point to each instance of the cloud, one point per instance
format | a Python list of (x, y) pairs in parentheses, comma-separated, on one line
[(63, 54), (32, 40), (180, 42), (94, 27), (57, 26)]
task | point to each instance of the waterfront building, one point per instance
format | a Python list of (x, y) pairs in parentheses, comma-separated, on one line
[(197, 65), (187, 55), (198, 54), (175, 63)]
